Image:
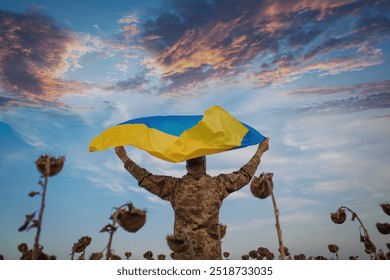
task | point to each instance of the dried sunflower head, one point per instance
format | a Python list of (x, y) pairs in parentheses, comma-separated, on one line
[(300, 257), (27, 255), (320, 258), (179, 242), (49, 166), (148, 255), (262, 250), (333, 248), (22, 247), (339, 217), (128, 255), (270, 256), (115, 258), (383, 228), (96, 256), (226, 254), (286, 251), (253, 254), (1, 257), (385, 207), (245, 257), (259, 188), (130, 219), (81, 245), (161, 257)]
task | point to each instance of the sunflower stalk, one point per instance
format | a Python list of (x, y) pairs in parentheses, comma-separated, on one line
[(276, 211), (109, 244), (367, 238), (36, 249)]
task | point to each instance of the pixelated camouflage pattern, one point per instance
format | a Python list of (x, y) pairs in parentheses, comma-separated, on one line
[(196, 199)]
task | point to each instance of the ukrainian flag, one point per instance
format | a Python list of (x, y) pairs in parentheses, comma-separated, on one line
[(178, 138)]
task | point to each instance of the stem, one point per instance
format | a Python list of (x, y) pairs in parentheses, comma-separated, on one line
[(38, 234), (276, 211), (364, 228), (108, 253)]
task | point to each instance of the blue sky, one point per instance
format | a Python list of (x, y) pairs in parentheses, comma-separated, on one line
[(311, 75)]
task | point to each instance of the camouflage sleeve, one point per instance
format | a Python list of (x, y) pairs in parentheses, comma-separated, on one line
[(162, 186), (234, 181)]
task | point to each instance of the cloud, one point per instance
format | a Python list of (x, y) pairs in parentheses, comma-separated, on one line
[(176, 51), (107, 183), (34, 54), (265, 41), (363, 96)]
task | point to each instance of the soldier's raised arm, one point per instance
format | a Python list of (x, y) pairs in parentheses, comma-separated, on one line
[(240, 178), (162, 186)]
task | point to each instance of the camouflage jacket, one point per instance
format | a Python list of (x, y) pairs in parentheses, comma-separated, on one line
[(196, 200)]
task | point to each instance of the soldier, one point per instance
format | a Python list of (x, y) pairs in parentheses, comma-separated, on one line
[(196, 198)]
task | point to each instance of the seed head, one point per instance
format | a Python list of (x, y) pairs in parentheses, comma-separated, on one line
[(22, 248), (128, 255), (148, 255), (385, 207), (300, 257), (339, 217), (383, 228), (179, 242), (81, 245), (259, 187), (115, 258), (49, 166), (130, 219), (333, 248), (226, 254), (245, 257), (96, 256), (286, 251), (161, 257), (253, 254)]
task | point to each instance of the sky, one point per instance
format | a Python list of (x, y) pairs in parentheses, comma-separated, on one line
[(313, 76)]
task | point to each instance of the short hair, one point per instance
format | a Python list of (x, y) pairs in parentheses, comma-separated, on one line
[(195, 162)]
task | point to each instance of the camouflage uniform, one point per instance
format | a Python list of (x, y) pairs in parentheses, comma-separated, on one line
[(196, 199)]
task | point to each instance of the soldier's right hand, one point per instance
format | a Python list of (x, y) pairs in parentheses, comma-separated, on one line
[(121, 153), (263, 146)]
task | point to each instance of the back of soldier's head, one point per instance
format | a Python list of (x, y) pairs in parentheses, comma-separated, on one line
[(196, 164)]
